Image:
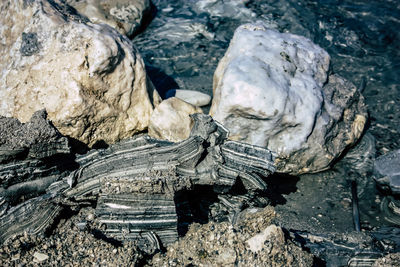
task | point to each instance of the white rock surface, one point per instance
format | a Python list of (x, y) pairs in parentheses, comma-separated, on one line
[(171, 121), (272, 233), (89, 78), (192, 97), (124, 15), (272, 89)]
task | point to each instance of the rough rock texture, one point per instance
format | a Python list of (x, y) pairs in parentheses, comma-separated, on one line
[(88, 77), (30, 157), (36, 138), (387, 171), (72, 243), (134, 184), (124, 15), (272, 89), (171, 120), (392, 259), (224, 244)]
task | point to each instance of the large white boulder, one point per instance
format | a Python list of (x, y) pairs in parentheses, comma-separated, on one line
[(272, 89), (126, 16), (89, 78)]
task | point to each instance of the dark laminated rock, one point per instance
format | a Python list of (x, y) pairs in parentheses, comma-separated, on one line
[(134, 184), (34, 216), (147, 217)]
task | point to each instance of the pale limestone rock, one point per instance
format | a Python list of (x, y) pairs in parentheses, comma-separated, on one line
[(124, 15), (89, 78), (195, 98), (272, 89), (171, 121)]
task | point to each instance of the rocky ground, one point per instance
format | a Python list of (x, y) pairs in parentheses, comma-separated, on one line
[(70, 243), (302, 220)]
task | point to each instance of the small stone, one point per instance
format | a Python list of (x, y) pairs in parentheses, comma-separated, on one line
[(90, 217), (16, 257), (40, 257), (195, 98), (171, 121)]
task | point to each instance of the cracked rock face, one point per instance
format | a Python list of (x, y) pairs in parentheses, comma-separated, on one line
[(124, 15), (88, 77), (274, 90)]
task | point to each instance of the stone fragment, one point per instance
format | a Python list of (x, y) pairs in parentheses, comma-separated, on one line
[(126, 16), (40, 257), (89, 78), (387, 171), (192, 97), (36, 138), (274, 90), (171, 121)]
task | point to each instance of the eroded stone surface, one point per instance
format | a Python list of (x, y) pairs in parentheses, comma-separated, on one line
[(124, 15), (88, 77), (272, 89), (171, 120)]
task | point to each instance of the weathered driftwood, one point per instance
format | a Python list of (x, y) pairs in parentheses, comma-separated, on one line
[(134, 183)]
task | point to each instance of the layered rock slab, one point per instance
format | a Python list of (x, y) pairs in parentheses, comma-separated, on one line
[(88, 77), (134, 184), (126, 16), (274, 90)]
